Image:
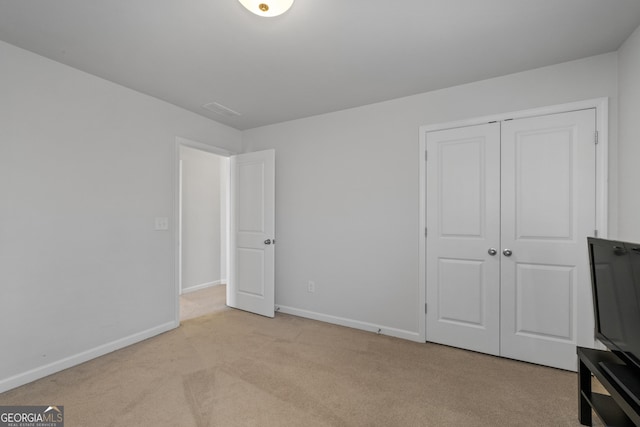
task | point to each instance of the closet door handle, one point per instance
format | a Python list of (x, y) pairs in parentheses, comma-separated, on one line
[(507, 252), (492, 251)]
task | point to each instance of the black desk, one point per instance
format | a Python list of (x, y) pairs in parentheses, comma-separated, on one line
[(619, 409)]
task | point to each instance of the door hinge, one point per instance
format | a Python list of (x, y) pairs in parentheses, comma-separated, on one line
[(425, 232), (425, 308), (596, 137), (595, 233), (425, 155)]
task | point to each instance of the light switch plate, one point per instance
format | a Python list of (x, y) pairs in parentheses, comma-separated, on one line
[(162, 223)]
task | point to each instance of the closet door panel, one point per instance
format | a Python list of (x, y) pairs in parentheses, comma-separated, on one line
[(463, 285), (548, 210)]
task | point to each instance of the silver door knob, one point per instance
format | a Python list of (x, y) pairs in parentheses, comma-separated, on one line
[(492, 251), (507, 252), (267, 242)]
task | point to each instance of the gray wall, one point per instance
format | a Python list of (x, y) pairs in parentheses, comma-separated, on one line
[(85, 168), (629, 146), (347, 190)]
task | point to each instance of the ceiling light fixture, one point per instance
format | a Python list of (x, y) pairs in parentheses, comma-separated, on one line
[(267, 8)]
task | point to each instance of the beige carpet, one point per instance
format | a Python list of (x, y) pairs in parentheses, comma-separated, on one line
[(205, 301), (232, 368)]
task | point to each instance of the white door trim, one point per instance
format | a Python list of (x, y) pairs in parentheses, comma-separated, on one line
[(184, 142), (601, 106)]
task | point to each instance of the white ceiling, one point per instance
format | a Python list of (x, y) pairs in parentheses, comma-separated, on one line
[(321, 56)]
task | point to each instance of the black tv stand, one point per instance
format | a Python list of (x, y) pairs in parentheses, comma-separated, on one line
[(625, 377), (621, 408)]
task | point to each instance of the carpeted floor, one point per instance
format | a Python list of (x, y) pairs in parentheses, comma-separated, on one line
[(233, 368), (202, 302)]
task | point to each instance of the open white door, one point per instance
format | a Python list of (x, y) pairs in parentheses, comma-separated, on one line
[(252, 237)]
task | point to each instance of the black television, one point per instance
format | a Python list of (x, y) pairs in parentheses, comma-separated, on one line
[(615, 281)]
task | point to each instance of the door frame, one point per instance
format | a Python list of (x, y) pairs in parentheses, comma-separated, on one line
[(177, 220), (601, 105)]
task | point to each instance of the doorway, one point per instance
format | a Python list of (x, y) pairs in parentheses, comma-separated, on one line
[(203, 200), (248, 221)]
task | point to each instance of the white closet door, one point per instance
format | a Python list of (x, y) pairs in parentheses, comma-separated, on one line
[(548, 210), (463, 222)]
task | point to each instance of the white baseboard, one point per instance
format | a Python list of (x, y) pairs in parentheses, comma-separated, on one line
[(203, 286), (68, 362), (356, 324)]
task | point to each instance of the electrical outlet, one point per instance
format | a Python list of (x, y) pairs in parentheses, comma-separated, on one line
[(311, 287)]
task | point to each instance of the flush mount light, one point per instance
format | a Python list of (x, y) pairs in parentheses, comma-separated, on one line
[(267, 8)]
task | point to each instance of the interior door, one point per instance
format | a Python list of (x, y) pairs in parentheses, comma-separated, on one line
[(463, 226), (548, 210), (252, 235)]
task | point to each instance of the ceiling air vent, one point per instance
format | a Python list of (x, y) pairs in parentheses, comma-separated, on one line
[(221, 109)]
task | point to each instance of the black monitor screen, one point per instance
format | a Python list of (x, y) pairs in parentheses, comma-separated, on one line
[(616, 293)]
